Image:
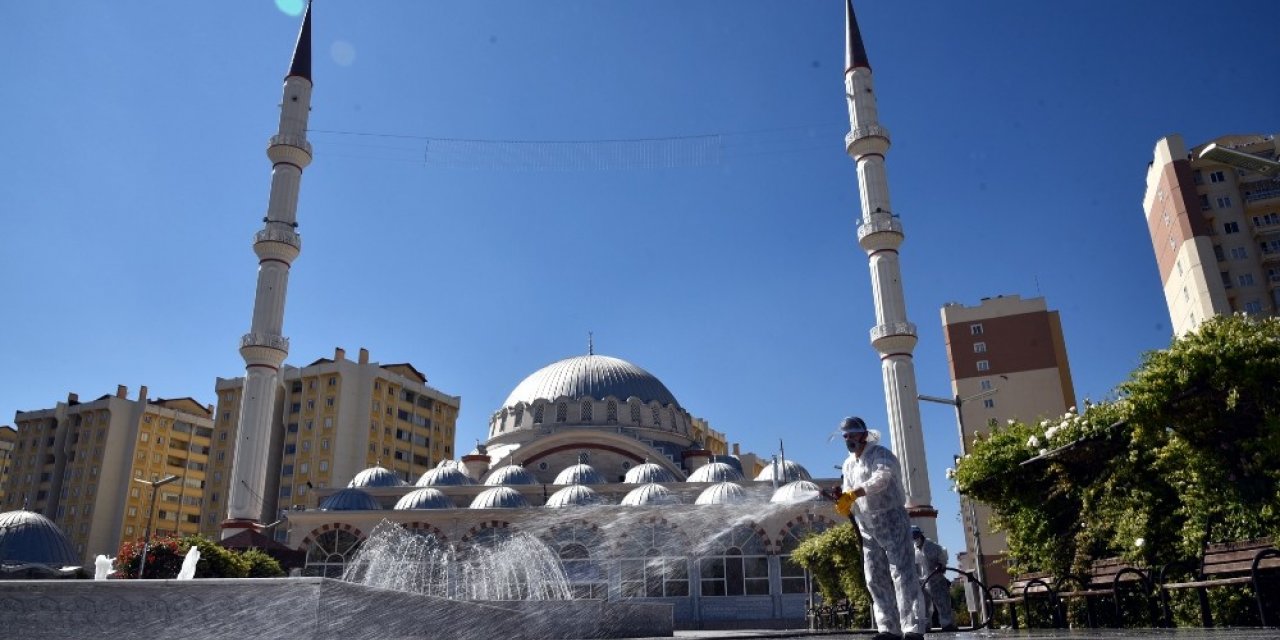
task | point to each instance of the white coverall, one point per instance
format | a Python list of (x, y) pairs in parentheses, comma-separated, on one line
[(930, 556), (888, 555)]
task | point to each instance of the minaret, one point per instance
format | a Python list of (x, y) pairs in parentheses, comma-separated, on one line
[(277, 245), (880, 235)]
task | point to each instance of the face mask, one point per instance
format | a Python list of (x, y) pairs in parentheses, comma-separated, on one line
[(853, 443)]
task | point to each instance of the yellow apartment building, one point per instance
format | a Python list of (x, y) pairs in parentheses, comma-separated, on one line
[(85, 466), (335, 418)]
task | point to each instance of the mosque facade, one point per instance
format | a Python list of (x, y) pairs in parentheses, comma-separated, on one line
[(595, 458)]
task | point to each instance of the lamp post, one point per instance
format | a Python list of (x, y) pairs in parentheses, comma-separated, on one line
[(967, 505), (151, 514)]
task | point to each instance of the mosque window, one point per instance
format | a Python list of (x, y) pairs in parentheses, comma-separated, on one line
[(562, 412), (537, 414), (657, 418), (653, 563), (519, 417), (793, 575), (329, 553), (635, 414), (612, 412), (586, 411)]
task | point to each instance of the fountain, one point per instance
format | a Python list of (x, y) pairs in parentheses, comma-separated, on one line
[(188, 570)]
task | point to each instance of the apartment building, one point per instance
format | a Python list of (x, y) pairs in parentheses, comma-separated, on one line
[(1008, 360), (336, 418), (87, 466), (1215, 230)]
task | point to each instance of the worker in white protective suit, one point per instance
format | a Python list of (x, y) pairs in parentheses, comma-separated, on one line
[(873, 478), (930, 557)]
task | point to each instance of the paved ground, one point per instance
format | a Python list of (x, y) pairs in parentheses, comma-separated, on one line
[(1007, 634)]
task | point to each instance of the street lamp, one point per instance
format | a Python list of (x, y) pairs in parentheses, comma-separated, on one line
[(957, 402), (146, 540)]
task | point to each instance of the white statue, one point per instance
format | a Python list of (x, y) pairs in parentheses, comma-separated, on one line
[(102, 567), (188, 570)]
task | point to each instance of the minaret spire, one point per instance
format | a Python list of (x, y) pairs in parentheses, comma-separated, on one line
[(591, 344), (880, 234), (264, 348), (301, 65), (855, 51)]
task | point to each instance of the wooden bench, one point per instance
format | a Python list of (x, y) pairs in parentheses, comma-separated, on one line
[(1022, 591), (1240, 562)]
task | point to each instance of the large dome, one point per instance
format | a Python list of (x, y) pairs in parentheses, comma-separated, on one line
[(27, 537), (591, 376)]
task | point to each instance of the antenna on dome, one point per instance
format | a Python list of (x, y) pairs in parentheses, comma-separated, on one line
[(591, 344)]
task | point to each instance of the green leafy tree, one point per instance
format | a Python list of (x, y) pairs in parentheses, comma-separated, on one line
[(1187, 453), (834, 559)]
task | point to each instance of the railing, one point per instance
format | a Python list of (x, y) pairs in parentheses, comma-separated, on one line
[(893, 329), (278, 235), (292, 141), (264, 340), (880, 223)]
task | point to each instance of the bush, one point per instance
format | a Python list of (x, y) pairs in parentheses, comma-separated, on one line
[(834, 559), (216, 561), (261, 565), (163, 559)]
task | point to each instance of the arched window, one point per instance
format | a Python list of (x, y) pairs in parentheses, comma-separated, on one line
[(793, 575), (586, 411), (611, 412), (635, 414), (537, 414), (562, 412), (653, 562), (329, 553), (519, 417), (737, 564), (657, 417)]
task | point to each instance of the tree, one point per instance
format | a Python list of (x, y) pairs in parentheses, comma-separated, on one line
[(834, 559)]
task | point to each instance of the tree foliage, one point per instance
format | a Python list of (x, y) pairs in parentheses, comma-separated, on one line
[(834, 559), (1188, 452)]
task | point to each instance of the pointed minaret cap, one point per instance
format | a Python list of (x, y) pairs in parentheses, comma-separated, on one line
[(301, 65), (856, 55)]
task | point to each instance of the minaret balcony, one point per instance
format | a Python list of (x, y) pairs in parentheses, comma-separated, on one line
[(275, 243), (291, 149), (868, 138), (882, 231), (279, 343), (279, 235), (894, 337)]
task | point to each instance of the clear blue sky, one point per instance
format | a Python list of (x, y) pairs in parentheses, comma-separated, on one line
[(133, 179)]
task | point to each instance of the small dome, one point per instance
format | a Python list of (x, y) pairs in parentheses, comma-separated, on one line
[(499, 498), (580, 473), (798, 491), (791, 471), (716, 472), (574, 495), (376, 477), (27, 537), (649, 472), (649, 494), (510, 474), (424, 499), (722, 493), (349, 500), (445, 476)]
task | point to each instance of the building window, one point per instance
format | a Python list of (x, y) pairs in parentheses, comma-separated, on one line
[(562, 412), (586, 411), (611, 412), (144, 436), (1218, 253), (986, 385), (286, 470), (989, 403), (306, 445), (324, 444), (537, 414), (328, 423), (1229, 227), (1226, 279), (324, 465), (1224, 202), (983, 365), (975, 329), (133, 512), (133, 492), (1246, 279), (1239, 253), (333, 381), (1217, 176), (979, 347), (1253, 306)]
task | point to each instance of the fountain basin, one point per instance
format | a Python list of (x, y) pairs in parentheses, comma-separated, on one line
[(302, 609)]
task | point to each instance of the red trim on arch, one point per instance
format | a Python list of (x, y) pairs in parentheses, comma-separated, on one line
[(579, 447)]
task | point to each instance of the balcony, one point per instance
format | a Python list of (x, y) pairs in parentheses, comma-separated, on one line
[(1271, 257), (893, 329), (1261, 190), (279, 343)]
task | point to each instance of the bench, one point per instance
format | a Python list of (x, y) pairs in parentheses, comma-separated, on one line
[(1106, 578), (1241, 562)]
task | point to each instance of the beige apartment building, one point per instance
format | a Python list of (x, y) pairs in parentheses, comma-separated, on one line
[(8, 438), (1008, 360), (335, 419), (86, 465), (1215, 230)]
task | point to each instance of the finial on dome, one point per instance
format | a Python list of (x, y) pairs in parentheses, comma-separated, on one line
[(591, 344)]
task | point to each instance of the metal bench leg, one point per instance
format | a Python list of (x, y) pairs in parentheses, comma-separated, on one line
[(1206, 616)]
